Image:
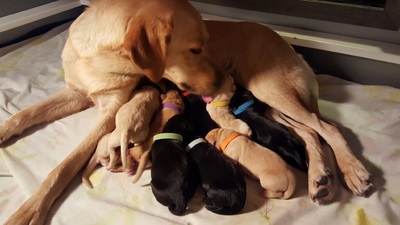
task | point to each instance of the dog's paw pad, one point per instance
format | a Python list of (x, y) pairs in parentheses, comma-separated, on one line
[(321, 188)]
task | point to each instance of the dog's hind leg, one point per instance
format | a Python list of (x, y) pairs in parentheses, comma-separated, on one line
[(321, 184), (354, 173), (63, 103), (36, 208)]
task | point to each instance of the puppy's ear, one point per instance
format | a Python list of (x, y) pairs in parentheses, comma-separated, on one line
[(211, 137), (163, 97), (147, 39)]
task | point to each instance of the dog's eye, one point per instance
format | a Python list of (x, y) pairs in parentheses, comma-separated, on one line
[(195, 51)]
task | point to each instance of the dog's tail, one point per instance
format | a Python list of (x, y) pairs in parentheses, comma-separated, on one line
[(144, 159), (89, 168)]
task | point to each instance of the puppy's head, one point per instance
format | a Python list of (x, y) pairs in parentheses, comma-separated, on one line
[(173, 97), (217, 136), (168, 39)]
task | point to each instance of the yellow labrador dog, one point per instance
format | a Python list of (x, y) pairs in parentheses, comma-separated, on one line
[(110, 47), (261, 61)]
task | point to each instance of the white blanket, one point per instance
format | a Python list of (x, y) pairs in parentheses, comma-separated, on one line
[(369, 117)]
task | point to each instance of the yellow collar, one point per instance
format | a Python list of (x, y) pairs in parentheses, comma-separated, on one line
[(219, 103)]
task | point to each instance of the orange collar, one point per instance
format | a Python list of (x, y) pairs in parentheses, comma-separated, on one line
[(228, 140)]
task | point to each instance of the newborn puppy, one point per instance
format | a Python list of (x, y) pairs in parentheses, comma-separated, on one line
[(196, 113), (132, 126), (266, 132), (173, 176), (132, 122), (172, 104), (276, 177), (223, 183), (219, 110)]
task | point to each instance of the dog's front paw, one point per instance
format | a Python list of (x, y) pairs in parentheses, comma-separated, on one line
[(357, 178), (321, 186), (33, 211), (7, 130)]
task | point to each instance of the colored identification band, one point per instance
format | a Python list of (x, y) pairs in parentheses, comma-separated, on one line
[(186, 93), (243, 107), (220, 103), (194, 143), (172, 106), (170, 136), (228, 140)]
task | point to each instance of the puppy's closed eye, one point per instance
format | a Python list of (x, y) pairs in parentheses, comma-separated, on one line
[(195, 51)]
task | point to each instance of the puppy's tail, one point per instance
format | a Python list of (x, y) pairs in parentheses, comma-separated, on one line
[(124, 150), (88, 170), (144, 159)]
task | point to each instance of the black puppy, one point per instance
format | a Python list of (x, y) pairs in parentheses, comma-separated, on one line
[(266, 132), (173, 174), (196, 113), (223, 183)]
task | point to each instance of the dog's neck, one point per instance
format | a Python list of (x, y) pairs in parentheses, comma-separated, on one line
[(172, 106), (228, 140)]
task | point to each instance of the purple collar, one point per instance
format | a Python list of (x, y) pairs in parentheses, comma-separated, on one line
[(172, 106)]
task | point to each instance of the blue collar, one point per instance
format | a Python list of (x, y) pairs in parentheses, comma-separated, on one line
[(243, 107)]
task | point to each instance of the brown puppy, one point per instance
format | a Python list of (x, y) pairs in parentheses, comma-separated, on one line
[(276, 177), (172, 104), (219, 111), (262, 62), (110, 47), (131, 127)]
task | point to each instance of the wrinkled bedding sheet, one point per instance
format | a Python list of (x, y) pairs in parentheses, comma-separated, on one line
[(369, 117)]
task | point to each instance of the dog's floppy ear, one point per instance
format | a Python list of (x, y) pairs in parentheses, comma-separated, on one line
[(147, 39)]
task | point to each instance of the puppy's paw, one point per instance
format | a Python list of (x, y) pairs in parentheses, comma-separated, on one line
[(321, 186), (241, 127), (357, 178)]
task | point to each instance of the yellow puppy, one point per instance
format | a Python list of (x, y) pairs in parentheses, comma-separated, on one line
[(276, 177), (219, 111)]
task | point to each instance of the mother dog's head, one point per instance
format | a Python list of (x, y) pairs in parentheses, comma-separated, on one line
[(167, 39)]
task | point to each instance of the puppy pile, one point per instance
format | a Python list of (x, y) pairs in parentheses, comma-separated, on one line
[(191, 141)]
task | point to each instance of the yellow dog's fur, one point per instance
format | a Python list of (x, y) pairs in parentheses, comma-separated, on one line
[(258, 162), (110, 47), (261, 61)]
